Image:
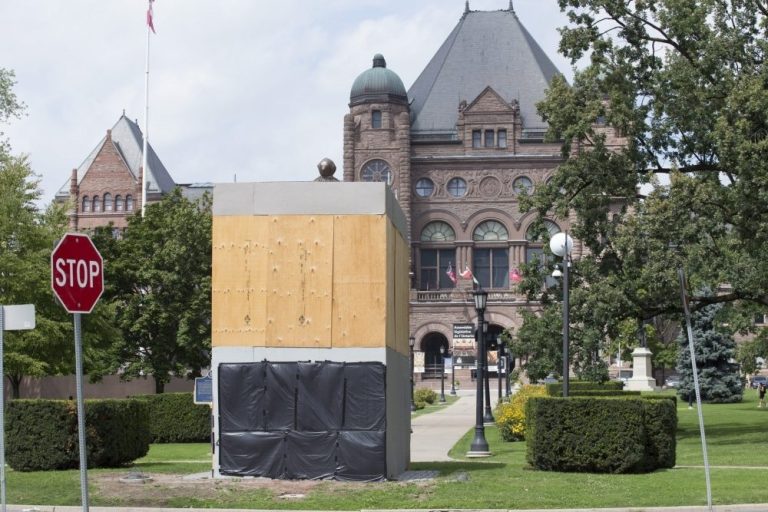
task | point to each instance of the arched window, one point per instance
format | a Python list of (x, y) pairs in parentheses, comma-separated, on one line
[(377, 170), (86, 204), (129, 203), (490, 230), (438, 231), (96, 204), (107, 202), (522, 185), (118, 203), (534, 235)]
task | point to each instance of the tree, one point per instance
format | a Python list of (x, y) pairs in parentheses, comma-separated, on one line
[(538, 343), (718, 378), (161, 288), (665, 142)]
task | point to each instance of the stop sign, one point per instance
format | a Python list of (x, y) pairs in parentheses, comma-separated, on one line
[(77, 273)]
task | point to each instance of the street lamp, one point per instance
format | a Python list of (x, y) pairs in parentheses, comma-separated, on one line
[(411, 343), (479, 446), (488, 416), (453, 371), (561, 245), (442, 377)]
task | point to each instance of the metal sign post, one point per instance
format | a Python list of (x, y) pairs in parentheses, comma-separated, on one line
[(12, 318), (77, 279)]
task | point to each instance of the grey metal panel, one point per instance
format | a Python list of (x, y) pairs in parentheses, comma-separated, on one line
[(307, 198), (485, 49), (398, 414)]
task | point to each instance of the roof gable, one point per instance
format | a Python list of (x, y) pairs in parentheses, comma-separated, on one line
[(485, 49), (488, 101), (127, 139)]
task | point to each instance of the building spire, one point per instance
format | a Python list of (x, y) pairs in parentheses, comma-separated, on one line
[(466, 7), (511, 6)]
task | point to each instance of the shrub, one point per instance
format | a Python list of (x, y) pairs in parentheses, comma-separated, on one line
[(603, 392), (510, 416), (419, 405), (175, 418), (575, 386), (425, 395), (601, 435), (42, 434)]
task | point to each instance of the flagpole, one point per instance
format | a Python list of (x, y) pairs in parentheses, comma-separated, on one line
[(146, 128)]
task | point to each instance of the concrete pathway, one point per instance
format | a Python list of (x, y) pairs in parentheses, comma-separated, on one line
[(434, 434)]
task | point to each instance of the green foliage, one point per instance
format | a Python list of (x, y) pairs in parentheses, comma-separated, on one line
[(602, 392), (175, 418), (160, 281), (719, 379), (577, 386), (419, 404), (510, 416), (538, 342), (42, 434), (601, 435), (424, 395)]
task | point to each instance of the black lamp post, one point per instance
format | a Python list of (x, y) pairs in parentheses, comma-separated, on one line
[(488, 416), (479, 446), (561, 245), (442, 377), (411, 343), (499, 366), (453, 372)]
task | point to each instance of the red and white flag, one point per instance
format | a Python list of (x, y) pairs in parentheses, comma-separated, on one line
[(450, 273), (150, 15), (467, 274), (515, 275)]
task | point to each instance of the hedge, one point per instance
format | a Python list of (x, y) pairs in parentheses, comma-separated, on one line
[(175, 418), (575, 386), (425, 395), (42, 434), (603, 392), (510, 416), (601, 435)]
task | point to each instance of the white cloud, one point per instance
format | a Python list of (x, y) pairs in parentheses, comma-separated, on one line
[(253, 88)]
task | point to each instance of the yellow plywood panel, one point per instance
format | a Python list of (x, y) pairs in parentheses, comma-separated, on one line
[(402, 290), (391, 305), (239, 269), (299, 280), (360, 281)]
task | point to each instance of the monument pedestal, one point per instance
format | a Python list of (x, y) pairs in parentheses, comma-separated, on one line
[(642, 371)]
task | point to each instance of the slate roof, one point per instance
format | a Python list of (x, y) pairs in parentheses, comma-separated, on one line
[(128, 139), (485, 49)]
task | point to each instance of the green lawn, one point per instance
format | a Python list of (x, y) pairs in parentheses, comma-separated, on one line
[(435, 406), (737, 435)]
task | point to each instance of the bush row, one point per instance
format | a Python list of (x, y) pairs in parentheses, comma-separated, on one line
[(510, 416), (577, 386), (175, 418), (601, 435), (42, 434)]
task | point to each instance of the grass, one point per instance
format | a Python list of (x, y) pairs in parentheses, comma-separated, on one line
[(737, 435), (449, 399)]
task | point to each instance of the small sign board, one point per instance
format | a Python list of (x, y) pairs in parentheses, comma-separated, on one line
[(204, 389), (464, 331), (19, 318)]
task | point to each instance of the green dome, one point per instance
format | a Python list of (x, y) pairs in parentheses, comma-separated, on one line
[(378, 84)]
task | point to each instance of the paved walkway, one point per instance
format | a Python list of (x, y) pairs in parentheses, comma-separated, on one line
[(434, 434)]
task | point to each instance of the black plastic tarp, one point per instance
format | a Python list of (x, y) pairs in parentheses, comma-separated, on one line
[(365, 401), (303, 420), (241, 396)]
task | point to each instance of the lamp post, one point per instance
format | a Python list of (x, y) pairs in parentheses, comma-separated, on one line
[(453, 371), (561, 245), (499, 366), (479, 446), (442, 377), (411, 343), (488, 416)]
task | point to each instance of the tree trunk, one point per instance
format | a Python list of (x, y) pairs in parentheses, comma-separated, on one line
[(15, 381), (159, 386)]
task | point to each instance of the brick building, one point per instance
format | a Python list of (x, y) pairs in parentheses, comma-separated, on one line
[(457, 148), (106, 187)]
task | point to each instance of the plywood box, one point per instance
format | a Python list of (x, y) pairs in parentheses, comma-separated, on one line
[(309, 265)]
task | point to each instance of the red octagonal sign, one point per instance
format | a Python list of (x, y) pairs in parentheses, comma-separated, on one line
[(77, 273)]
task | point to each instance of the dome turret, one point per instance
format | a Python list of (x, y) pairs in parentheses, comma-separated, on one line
[(378, 84)]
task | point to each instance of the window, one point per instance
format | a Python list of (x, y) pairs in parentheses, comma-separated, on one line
[(490, 230), (489, 138), (119, 203), (129, 203), (438, 231), (537, 255), (502, 138), (86, 204), (522, 185), (457, 187), (476, 138), (96, 204), (377, 170), (434, 268), (492, 267), (107, 202), (534, 235), (376, 119), (424, 187)]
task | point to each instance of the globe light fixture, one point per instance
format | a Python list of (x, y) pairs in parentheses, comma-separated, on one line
[(561, 245)]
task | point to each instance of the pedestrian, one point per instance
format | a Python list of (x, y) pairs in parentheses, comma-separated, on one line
[(761, 393)]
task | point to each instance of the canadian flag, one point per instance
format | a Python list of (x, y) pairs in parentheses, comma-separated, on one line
[(515, 275), (450, 273), (150, 15)]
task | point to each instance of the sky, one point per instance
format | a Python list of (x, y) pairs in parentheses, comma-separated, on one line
[(252, 89)]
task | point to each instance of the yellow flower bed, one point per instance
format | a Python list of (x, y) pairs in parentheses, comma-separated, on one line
[(510, 416)]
